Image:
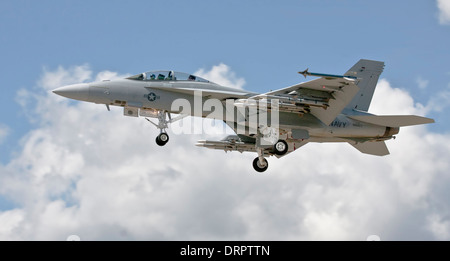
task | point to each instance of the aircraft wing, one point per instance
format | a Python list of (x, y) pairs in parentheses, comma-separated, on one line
[(324, 98)]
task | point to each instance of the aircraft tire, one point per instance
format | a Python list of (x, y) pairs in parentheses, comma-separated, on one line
[(280, 147), (258, 167), (162, 139)]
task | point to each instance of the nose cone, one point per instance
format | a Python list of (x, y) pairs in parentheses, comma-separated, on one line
[(75, 91)]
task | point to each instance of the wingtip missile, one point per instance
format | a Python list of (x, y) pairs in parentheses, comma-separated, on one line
[(305, 72), (327, 76)]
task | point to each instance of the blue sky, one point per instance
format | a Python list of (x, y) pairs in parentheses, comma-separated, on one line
[(263, 42)]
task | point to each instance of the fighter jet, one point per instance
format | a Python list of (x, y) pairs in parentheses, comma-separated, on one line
[(330, 108)]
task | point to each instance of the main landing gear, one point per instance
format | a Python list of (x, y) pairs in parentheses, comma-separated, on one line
[(260, 163), (260, 167), (162, 139), (280, 147)]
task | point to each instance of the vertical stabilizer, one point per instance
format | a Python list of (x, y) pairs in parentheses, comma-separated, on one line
[(367, 72)]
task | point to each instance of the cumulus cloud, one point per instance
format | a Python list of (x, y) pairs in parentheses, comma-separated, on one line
[(439, 226), (387, 100), (422, 83), (440, 101), (444, 11), (10, 221), (61, 76), (222, 74), (4, 131), (99, 175), (108, 75)]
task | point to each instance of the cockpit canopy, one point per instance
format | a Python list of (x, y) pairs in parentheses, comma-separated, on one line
[(166, 76)]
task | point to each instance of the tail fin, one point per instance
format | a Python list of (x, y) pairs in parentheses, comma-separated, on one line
[(367, 72)]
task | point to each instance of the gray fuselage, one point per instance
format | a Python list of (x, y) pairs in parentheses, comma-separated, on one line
[(206, 99)]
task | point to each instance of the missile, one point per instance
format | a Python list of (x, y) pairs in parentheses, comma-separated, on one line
[(327, 76)]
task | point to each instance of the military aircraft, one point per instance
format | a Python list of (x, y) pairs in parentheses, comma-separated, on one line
[(330, 108)]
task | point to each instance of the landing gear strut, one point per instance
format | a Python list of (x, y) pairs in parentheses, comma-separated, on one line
[(260, 163), (163, 124), (260, 167)]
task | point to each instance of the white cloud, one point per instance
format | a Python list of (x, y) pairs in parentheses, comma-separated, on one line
[(422, 83), (108, 75), (222, 74), (444, 11), (387, 100), (10, 221), (99, 175), (440, 101), (60, 77), (439, 226), (4, 131)]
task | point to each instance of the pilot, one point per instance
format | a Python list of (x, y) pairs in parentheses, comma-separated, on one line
[(191, 78), (152, 77), (169, 77)]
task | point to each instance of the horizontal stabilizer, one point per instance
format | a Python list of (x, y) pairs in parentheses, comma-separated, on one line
[(377, 148), (393, 120)]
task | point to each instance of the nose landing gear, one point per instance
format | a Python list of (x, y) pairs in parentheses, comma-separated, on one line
[(163, 124)]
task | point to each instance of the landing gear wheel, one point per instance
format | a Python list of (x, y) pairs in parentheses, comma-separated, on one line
[(257, 165), (162, 139), (280, 148)]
